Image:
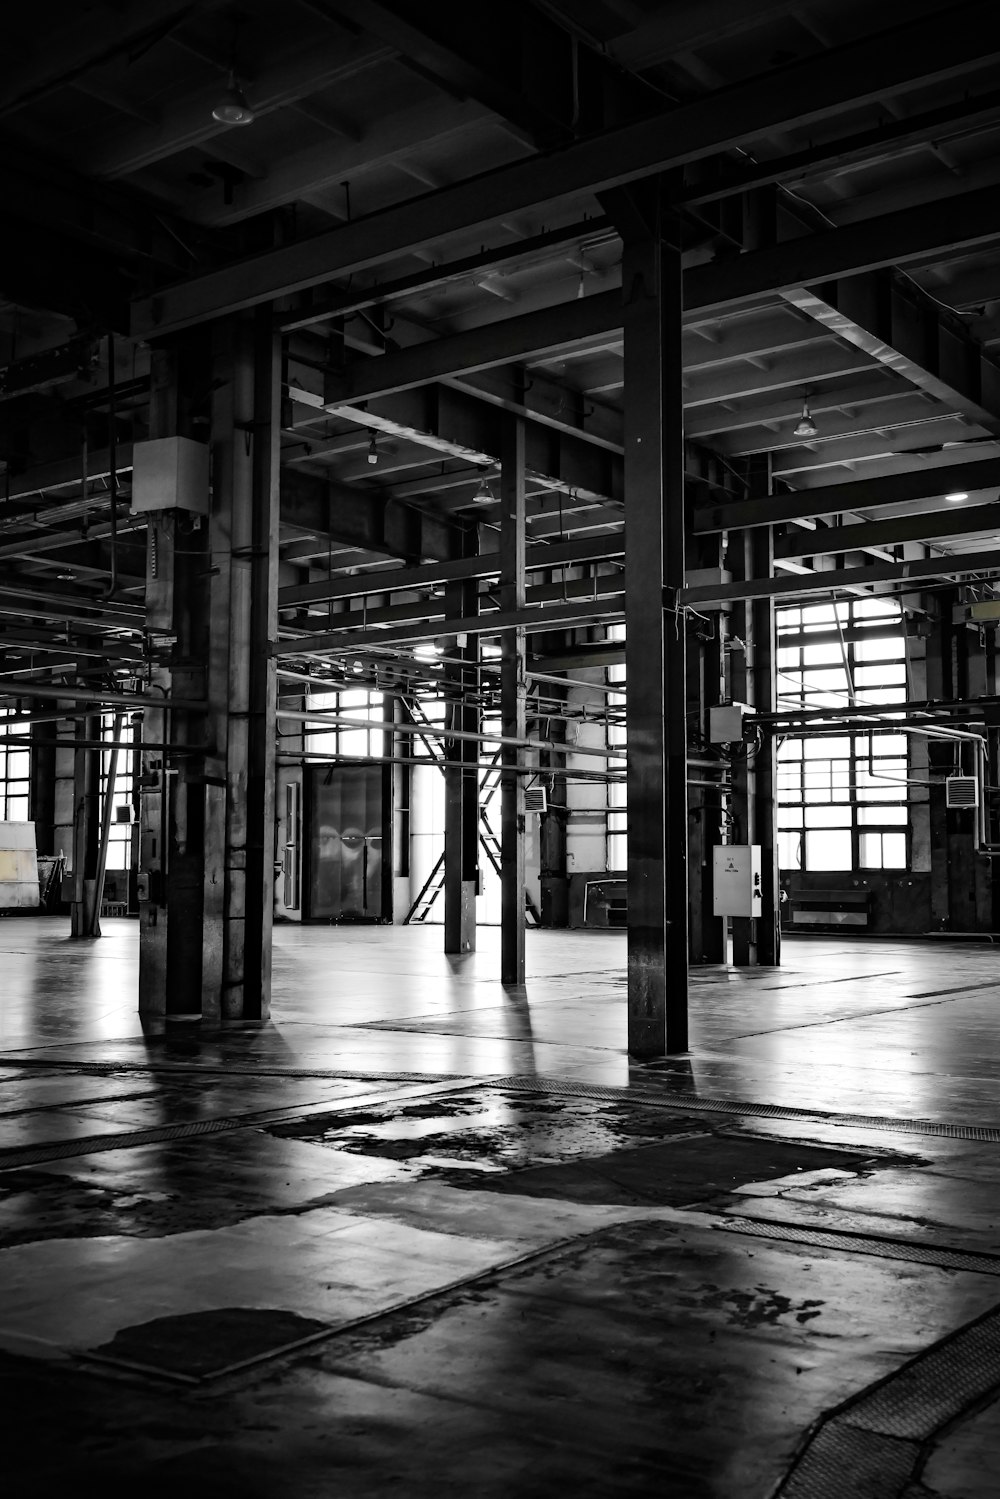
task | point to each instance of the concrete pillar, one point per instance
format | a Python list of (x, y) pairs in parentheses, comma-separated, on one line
[(513, 703)]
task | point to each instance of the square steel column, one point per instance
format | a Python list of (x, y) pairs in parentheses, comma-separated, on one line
[(461, 775), (655, 649), (239, 810), (513, 693)]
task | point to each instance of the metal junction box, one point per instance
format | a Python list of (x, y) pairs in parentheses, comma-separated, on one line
[(725, 722), (736, 887), (170, 473)]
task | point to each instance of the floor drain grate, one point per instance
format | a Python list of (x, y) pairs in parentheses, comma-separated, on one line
[(688, 1104), (853, 1243)]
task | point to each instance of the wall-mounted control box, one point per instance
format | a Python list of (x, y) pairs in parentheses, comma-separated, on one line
[(736, 882)]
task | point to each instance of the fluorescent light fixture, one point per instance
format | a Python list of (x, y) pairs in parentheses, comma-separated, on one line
[(959, 494), (426, 651), (491, 651)]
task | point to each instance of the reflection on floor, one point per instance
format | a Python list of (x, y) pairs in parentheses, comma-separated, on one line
[(424, 1234)]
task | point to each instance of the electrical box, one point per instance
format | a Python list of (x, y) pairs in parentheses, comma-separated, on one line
[(725, 722), (736, 886), (170, 473)]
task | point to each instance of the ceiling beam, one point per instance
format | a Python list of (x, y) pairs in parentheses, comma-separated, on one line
[(189, 122), (838, 578), (862, 494), (343, 302), (828, 540), (89, 39), (366, 518), (814, 89), (487, 565), (544, 617), (507, 55), (787, 266), (318, 168), (892, 320)]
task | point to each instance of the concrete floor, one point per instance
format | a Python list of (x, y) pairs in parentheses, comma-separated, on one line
[(424, 1235)]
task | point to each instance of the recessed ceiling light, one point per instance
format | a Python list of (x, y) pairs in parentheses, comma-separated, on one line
[(959, 494)]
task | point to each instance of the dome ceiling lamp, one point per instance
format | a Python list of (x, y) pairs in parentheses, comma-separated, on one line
[(232, 108), (805, 426)]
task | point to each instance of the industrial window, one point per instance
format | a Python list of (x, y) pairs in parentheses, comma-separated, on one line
[(347, 739), (14, 777), (617, 740), (120, 833), (843, 795)]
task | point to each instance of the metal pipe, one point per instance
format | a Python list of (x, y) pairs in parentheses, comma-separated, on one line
[(339, 720), (484, 765), (98, 696)]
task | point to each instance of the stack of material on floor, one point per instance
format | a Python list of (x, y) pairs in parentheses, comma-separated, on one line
[(18, 867)]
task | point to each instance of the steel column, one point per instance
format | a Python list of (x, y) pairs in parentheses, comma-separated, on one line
[(86, 829), (171, 857), (513, 694), (655, 649), (239, 780), (461, 780)]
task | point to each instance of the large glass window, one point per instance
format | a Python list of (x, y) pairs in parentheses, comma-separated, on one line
[(842, 797), (120, 833), (617, 740), (15, 769), (347, 739)]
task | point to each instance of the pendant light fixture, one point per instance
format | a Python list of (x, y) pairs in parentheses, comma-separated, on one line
[(232, 108), (805, 426), (484, 494)]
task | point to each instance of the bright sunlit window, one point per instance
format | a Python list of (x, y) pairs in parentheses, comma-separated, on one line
[(842, 797), (347, 739), (617, 855), (120, 835), (14, 777)]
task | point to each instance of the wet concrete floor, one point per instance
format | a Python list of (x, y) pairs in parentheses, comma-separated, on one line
[(422, 1235)]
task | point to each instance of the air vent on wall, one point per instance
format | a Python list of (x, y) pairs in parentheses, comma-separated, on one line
[(962, 791), (535, 799)]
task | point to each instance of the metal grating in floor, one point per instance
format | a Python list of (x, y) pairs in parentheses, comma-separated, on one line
[(160, 1134), (689, 1103), (855, 1243), (873, 1444)]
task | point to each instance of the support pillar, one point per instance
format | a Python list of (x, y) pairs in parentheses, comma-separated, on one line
[(207, 843), (655, 646), (461, 776), (513, 708), (86, 829), (242, 681)]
